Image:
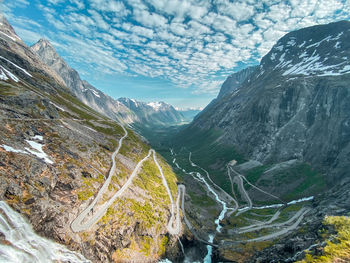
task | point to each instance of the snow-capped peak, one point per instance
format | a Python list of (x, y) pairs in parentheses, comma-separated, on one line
[(155, 105)]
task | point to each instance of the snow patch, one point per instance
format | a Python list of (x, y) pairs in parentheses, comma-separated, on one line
[(95, 93), (58, 107), (155, 105), (302, 44), (10, 149), (22, 69), (38, 137), (5, 72), (273, 56), (135, 102), (12, 38), (279, 48), (38, 151), (291, 42)]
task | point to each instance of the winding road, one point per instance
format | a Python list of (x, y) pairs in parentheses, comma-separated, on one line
[(287, 226), (83, 222)]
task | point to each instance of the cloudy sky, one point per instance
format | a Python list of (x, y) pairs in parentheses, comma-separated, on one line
[(178, 51)]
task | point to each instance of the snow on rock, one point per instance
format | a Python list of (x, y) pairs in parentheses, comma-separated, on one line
[(38, 151), (25, 72), (279, 48), (155, 105), (10, 149), (4, 73), (58, 107), (38, 137), (95, 93), (135, 102), (12, 38)]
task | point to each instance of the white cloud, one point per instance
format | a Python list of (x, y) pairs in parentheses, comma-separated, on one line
[(184, 41), (239, 11)]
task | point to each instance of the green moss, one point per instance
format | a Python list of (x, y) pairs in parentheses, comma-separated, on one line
[(163, 243), (146, 245), (85, 194), (337, 250)]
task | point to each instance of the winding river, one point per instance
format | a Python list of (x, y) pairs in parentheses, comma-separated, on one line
[(199, 177)]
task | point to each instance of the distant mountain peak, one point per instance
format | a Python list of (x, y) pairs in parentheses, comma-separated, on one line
[(46, 50), (44, 42)]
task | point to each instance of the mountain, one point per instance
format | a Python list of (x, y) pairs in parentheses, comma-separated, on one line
[(78, 177), (234, 81), (284, 127), (127, 110), (294, 105), (153, 113), (82, 89)]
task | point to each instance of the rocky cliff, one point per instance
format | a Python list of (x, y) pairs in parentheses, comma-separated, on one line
[(235, 80), (55, 155)]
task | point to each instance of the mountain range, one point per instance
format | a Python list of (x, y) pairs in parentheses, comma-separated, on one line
[(261, 174), (128, 111)]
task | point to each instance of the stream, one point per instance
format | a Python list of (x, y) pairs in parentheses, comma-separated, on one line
[(199, 177)]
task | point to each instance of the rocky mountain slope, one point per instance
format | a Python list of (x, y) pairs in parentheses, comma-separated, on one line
[(287, 126), (55, 155), (295, 105), (127, 110)]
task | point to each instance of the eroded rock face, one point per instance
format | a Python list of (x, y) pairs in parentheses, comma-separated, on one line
[(54, 155)]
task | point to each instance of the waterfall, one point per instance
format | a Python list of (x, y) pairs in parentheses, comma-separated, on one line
[(22, 244)]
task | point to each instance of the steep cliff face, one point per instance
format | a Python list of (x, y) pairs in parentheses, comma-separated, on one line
[(235, 80), (55, 155), (295, 105)]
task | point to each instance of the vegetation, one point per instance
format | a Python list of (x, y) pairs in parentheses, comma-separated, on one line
[(337, 248), (88, 188)]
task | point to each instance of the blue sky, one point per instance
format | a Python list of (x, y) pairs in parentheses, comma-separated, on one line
[(178, 51)]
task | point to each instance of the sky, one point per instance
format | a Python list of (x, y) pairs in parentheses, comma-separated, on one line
[(177, 51)]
